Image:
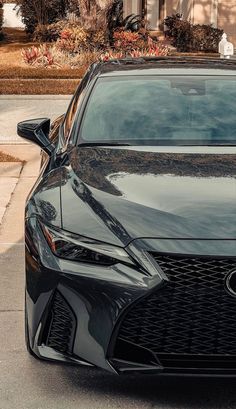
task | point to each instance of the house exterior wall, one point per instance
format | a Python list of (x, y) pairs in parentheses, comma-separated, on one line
[(198, 11), (132, 6), (219, 13), (153, 11), (201, 12), (227, 18)]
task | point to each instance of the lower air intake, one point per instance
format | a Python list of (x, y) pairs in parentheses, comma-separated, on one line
[(62, 325)]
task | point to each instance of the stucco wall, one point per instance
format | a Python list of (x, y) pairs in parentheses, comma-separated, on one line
[(227, 18), (179, 6), (10, 17), (202, 11), (153, 13), (132, 6), (198, 11)]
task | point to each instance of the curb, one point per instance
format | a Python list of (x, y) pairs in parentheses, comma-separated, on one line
[(35, 97)]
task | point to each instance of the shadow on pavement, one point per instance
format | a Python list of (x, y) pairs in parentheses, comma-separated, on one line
[(159, 392)]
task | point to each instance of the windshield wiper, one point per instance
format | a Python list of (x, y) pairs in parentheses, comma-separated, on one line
[(84, 144)]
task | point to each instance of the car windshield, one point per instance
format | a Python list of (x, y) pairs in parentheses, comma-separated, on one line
[(154, 110)]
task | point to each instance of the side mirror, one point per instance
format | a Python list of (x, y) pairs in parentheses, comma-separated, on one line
[(36, 131)]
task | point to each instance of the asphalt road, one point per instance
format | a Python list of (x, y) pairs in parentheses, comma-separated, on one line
[(26, 383)]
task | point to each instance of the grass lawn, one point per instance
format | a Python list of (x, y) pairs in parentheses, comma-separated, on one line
[(18, 78)]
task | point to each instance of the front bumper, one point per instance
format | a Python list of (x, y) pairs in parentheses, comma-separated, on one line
[(75, 311)]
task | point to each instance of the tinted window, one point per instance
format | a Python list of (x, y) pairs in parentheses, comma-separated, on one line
[(162, 110), (71, 113)]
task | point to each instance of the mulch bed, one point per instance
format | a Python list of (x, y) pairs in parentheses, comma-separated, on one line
[(4, 157), (38, 87), (39, 73)]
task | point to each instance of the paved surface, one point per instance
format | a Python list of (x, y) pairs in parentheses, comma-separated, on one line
[(26, 383), (16, 108), (9, 174)]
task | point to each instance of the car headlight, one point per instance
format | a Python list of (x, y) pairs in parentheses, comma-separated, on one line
[(78, 248)]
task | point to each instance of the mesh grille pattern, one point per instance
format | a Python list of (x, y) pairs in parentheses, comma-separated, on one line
[(61, 329), (193, 314)]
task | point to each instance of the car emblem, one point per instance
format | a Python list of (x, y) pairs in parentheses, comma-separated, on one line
[(231, 283)]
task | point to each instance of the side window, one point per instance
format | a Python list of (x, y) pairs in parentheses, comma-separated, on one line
[(71, 113), (70, 116), (54, 132)]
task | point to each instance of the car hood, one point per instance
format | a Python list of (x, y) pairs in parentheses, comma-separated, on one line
[(120, 194)]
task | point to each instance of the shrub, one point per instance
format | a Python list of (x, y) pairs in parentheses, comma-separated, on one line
[(131, 43), (40, 56), (133, 22), (127, 40), (98, 39), (1, 20), (72, 40), (206, 38), (41, 12), (179, 31), (50, 57), (71, 37), (187, 37), (152, 49), (48, 33), (79, 39)]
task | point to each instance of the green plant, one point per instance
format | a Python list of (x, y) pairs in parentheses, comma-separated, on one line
[(41, 12), (180, 31), (187, 37), (48, 33), (131, 43), (50, 57), (205, 38), (133, 22), (73, 40), (171, 22), (98, 39), (41, 56), (152, 49), (126, 40), (78, 39)]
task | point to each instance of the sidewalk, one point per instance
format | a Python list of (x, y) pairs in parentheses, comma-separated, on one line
[(13, 173), (9, 175), (16, 108)]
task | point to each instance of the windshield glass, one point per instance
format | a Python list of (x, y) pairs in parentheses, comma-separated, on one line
[(157, 110)]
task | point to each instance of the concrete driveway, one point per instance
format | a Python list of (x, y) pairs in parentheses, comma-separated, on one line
[(26, 383), (16, 108)]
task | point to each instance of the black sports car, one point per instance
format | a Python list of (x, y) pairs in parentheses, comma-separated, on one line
[(130, 230)]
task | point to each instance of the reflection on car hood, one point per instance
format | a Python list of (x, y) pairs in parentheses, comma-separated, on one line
[(119, 194)]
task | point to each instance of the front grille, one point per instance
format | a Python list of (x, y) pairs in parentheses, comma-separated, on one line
[(193, 314), (61, 325)]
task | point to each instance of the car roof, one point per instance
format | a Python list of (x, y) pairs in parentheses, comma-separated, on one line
[(165, 66)]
